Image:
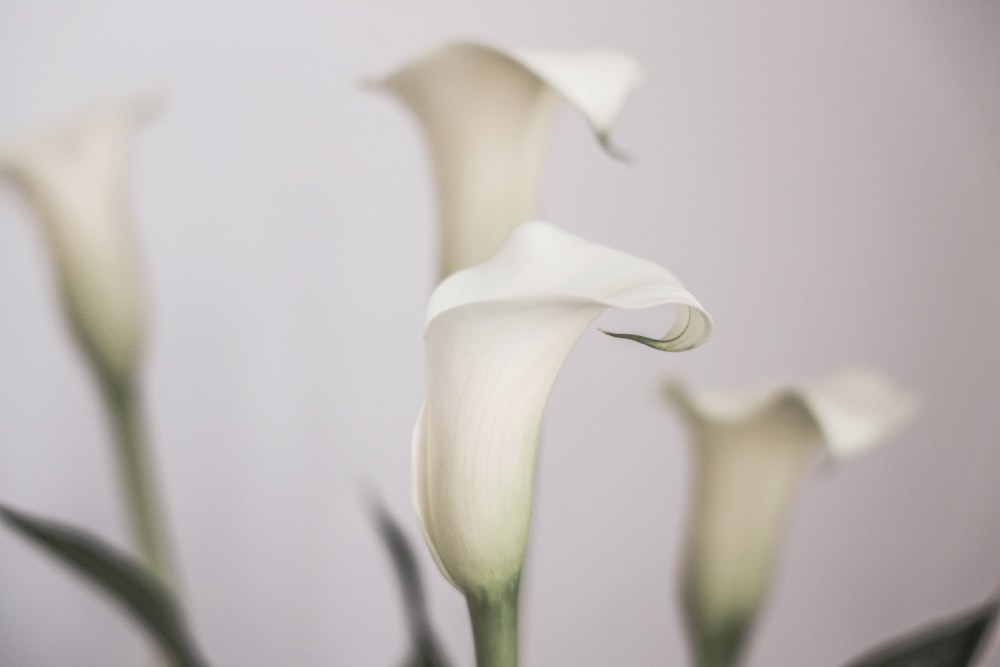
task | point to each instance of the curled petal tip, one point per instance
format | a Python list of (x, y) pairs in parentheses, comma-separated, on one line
[(692, 329), (669, 345), (614, 150), (673, 389)]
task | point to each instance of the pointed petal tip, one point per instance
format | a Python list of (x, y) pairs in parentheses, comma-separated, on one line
[(673, 389), (878, 408), (385, 81), (692, 329), (689, 403), (613, 150), (668, 345)]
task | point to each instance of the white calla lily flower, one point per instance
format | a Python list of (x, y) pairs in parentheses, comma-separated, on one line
[(487, 114), (751, 452), (74, 176), (496, 337)]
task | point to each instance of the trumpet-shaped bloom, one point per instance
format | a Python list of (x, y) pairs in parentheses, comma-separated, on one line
[(496, 337), (74, 176), (752, 449), (487, 114)]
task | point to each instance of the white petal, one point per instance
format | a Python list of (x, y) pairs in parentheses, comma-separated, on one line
[(746, 475), (420, 500), (597, 83), (752, 449), (74, 176), (487, 114), (496, 337), (853, 408)]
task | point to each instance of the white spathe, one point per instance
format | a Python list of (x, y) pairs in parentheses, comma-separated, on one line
[(496, 337), (74, 175), (751, 451), (487, 114)]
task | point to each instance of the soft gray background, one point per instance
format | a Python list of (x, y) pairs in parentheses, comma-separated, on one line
[(825, 177)]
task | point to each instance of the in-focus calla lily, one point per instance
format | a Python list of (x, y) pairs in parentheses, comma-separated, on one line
[(496, 337), (74, 176), (751, 451), (487, 114)]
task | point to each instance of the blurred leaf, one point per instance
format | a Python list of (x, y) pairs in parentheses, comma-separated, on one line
[(127, 582), (952, 643), (426, 651)]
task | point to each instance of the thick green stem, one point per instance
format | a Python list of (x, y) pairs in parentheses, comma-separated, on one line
[(494, 627), (724, 652), (138, 481), (716, 642)]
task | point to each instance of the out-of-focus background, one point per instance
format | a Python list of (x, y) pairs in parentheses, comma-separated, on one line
[(825, 177)]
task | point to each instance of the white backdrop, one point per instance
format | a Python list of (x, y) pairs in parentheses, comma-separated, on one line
[(825, 177)]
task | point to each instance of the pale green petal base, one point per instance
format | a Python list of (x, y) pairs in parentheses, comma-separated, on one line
[(494, 627), (721, 644)]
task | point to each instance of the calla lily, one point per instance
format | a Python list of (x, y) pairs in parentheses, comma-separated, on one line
[(487, 114), (496, 337), (751, 452), (74, 176)]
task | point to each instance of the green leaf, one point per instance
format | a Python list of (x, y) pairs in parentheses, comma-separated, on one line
[(123, 579), (426, 651), (952, 643)]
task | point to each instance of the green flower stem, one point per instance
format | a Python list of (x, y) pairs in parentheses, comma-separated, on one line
[(138, 480), (721, 654), (720, 644), (494, 627)]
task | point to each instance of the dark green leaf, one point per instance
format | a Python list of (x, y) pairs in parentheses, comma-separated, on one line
[(124, 580), (952, 643), (426, 650)]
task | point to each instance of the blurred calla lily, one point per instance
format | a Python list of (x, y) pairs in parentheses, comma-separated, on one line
[(74, 176), (487, 114), (496, 337), (751, 452)]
